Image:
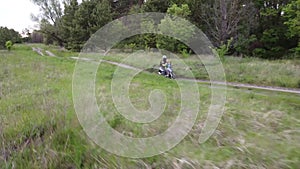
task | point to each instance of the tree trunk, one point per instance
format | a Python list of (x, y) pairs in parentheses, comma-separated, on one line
[(223, 8)]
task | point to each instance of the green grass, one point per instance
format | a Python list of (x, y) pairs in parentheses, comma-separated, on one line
[(281, 73), (39, 127)]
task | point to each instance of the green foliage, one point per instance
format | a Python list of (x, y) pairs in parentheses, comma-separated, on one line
[(121, 8), (101, 15), (259, 52), (130, 46), (74, 26), (259, 28), (135, 9), (51, 10), (8, 35), (148, 40), (271, 32), (224, 49), (273, 46), (157, 5), (142, 41), (173, 26), (292, 13), (9, 45), (50, 20), (243, 44), (84, 20), (183, 11), (185, 53), (297, 50), (69, 30), (113, 32)]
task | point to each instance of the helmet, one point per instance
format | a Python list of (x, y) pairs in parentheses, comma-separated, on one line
[(164, 57)]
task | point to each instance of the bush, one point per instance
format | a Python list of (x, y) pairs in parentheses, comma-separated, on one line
[(224, 49), (185, 53), (259, 52), (296, 51), (245, 45), (8, 45)]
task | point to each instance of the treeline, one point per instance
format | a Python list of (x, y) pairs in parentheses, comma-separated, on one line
[(259, 28), (9, 35)]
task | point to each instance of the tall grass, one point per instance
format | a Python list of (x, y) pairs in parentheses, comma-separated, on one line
[(283, 73), (39, 128)]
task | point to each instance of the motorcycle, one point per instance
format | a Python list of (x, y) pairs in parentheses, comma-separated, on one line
[(166, 72)]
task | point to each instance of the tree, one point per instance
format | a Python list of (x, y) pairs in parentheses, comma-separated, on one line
[(68, 19), (109, 36), (26, 35), (254, 28), (52, 33), (74, 25), (157, 5), (50, 20), (271, 30), (175, 27), (292, 13), (224, 19), (84, 20), (51, 10), (148, 40), (69, 29), (101, 14), (8, 35), (122, 7)]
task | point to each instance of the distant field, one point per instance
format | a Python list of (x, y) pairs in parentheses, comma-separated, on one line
[(39, 127)]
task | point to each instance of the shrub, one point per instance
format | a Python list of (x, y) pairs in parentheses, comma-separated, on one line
[(8, 45), (185, 53), (224, 49)]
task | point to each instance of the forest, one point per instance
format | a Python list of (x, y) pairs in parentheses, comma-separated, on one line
[(260, 28)]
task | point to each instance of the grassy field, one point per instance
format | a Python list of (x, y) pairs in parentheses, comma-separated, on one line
[(39, 127), (281, 73)]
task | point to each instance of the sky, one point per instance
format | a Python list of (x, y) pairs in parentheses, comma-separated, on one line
[(15, 14)]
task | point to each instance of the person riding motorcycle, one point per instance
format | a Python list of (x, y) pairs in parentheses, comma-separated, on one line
[(163, 64), (166, 67)]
